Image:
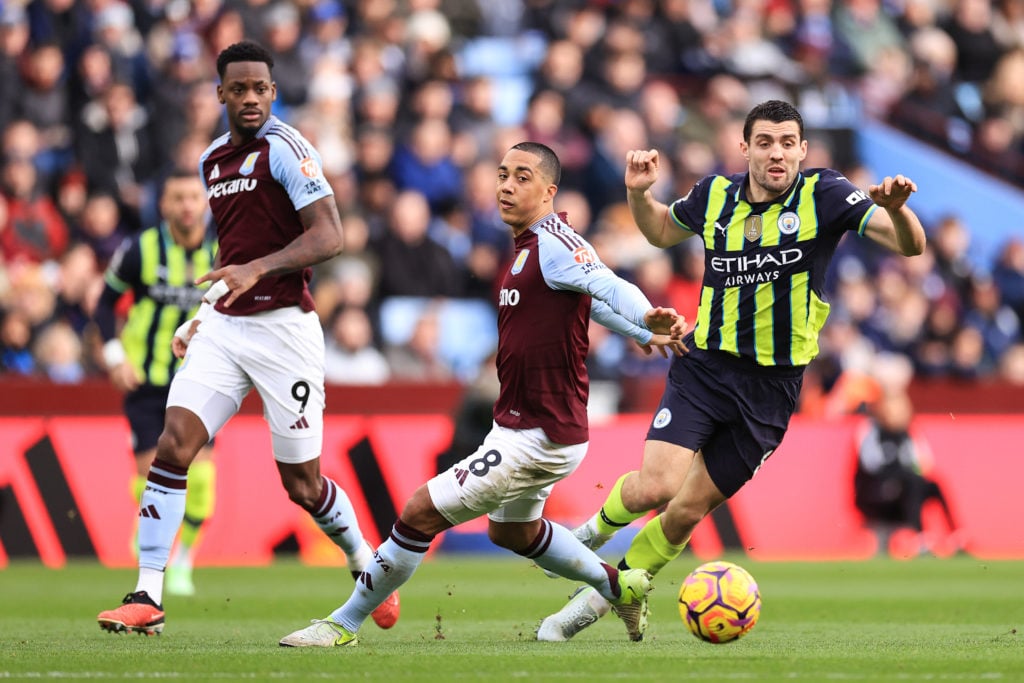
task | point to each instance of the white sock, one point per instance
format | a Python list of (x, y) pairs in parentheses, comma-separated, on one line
[(395, 562), (558, 550), (334, 514), (161, 511)]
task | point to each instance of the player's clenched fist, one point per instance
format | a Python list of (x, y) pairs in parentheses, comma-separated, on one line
[(641, 169)]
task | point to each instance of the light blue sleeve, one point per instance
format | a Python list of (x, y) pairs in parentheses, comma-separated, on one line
[(302, 178), (617, 304)]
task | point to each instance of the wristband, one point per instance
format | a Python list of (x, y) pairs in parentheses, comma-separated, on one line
[(113, 353), (216, 291)]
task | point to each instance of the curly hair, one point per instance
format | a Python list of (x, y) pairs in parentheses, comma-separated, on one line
[(244, 51)]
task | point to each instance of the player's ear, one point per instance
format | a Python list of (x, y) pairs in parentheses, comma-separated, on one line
[(220, 94), (273, 91)]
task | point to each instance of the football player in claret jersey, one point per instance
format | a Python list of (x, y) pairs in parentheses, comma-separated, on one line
[(539, 436), (156, 268), (276, 217), (769, 235)]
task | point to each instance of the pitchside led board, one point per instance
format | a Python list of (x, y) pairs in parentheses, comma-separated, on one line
[(64, 488)]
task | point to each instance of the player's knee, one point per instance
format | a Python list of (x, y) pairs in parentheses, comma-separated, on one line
[(515, 537), (651, 494), (175, 447), (304, 493)]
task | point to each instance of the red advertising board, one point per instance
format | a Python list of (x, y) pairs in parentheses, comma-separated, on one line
[(64, 487)]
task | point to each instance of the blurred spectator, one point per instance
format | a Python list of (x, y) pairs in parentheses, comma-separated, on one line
[(419, 358), (101, 227), (998, 324), (78, 287), (931, 105), (866, 30), (545, 123), (327, 34), (1008, 275), (282, 30), (44, 101), (892, 483), (15, 338), (115, 149), (114, 29), (58, 353), (621, 131), (412, 264), (424, 163), (472, 120), (14, 40), (977, 51), (1011, 365), (90, 76), (950, 241), (351, 357), (61, 22), (170, 104), (34, 229)]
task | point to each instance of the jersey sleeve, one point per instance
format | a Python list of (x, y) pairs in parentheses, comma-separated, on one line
[(124, 270), (298, 167), (841, 204), (577, 268), (603, 313), (688, 212)]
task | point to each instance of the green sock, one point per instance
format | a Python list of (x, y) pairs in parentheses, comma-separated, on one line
[(650, 549), (613, 514), (198, 500)]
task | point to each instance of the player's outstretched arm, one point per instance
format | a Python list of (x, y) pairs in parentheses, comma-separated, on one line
[(897, 227)]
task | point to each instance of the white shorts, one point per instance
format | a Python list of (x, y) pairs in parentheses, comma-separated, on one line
[(281, 353), (509, 476)]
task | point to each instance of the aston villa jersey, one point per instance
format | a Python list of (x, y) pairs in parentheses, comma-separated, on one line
[(255, 192), (548, 294)]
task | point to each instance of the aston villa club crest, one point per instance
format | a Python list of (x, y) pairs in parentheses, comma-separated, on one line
[(250, 164), (752, 228), (520, 262)]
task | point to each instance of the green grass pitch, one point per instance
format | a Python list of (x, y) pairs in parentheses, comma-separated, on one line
[(471, 618)]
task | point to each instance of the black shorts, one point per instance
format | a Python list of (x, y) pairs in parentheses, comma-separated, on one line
[(145, 408), (732, 409)]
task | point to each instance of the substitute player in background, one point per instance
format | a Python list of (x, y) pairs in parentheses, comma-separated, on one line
[(158, 267), (276, 216), (769, 235), (540, 432)]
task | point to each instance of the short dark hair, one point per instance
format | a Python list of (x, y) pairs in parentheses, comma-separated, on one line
[(179, 173), (775, 111), (549, 163), (244, 51)]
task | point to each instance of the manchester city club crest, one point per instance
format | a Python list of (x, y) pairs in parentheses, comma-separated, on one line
[(663, 417), (752, 228), (789, 223)]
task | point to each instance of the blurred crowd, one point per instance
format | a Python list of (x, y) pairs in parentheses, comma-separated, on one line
[(412, 102)]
